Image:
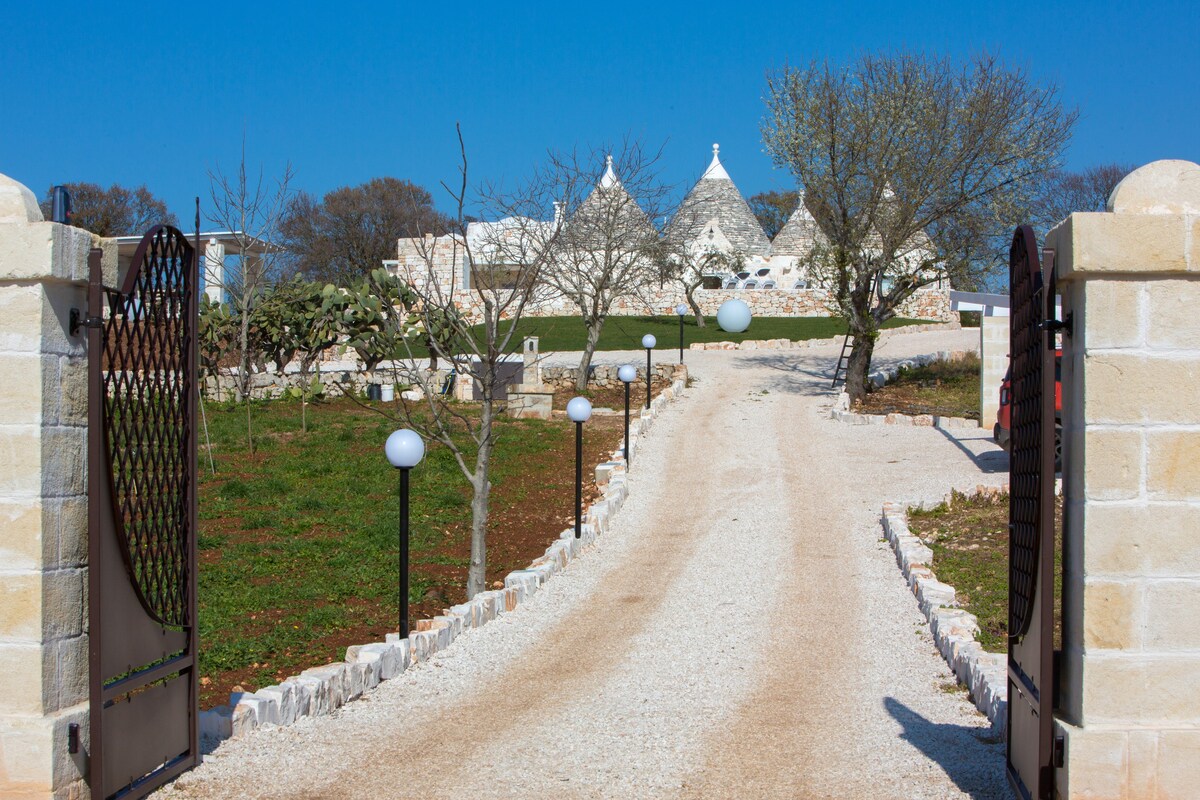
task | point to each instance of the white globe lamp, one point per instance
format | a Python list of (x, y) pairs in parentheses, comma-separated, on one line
[(733, 316)]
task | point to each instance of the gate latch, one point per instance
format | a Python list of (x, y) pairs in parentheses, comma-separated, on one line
[(1066, 326), (1057, 752), (80, 320)]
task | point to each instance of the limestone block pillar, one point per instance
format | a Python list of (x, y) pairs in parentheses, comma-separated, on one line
[(214, 270), (43, 501), (1131, 586), (993, 363)]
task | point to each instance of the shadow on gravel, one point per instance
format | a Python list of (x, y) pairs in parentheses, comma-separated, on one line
[(969, 756), (990, 461), (798, 374)]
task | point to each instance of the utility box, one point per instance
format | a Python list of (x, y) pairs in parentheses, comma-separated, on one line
[(508, 372)]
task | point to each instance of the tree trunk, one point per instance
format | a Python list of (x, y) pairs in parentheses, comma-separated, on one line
[(589, 350), (244, 374), (689, 293), (858, 365), (477, 571)]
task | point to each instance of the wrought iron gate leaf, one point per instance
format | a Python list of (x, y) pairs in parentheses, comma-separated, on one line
[(141, 518)]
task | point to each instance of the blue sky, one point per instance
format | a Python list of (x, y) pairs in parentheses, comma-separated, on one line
[(160, 93)]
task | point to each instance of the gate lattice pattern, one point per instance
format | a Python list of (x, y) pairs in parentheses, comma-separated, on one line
[(1026, 452), (146, 389)]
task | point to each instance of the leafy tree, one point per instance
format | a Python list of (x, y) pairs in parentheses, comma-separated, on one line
[(115, 211), (348, 233), (911, 166), (773, 209)]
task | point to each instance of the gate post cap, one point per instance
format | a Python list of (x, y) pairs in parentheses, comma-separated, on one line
[(1170, 186), (17, 202)]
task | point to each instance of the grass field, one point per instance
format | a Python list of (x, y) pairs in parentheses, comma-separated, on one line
[(948, 388), (625, 333), (969, 539), (298, 542)]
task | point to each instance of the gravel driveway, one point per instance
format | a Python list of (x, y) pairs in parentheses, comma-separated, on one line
[(741, 632)]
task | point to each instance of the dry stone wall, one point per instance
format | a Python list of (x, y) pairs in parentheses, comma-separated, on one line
[(930, 303)]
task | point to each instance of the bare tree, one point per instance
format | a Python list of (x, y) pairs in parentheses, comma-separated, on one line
[(491, 270), (773, 209), (251, 210), (603, 245), (911, 165), (1065, 192)]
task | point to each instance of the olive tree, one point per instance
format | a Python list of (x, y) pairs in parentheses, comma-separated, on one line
[(912, 167)]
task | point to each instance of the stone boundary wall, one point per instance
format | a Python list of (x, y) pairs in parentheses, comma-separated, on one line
[(984, 674), (348, 372), (320, 691), (929, 303), (841, 409), (801, 344), (604, 376)]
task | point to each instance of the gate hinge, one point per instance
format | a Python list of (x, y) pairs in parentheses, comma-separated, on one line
[(80, 320), (1066, 326), (73, 738), (1058, 752)]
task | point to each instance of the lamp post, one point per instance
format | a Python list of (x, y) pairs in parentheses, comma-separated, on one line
[(628, 375), (579, 410), (648, 342), (681, 310), (404, 450)]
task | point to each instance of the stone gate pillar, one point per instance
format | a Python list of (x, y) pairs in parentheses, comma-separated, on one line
[(1130, 691), (43, 501)]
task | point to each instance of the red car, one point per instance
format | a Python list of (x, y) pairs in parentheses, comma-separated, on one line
[(1004, 415)]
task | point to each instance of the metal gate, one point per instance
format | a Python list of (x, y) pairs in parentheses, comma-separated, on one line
[(142, 518), (1030, 759)]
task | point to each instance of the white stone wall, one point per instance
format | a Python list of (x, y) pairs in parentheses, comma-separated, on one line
[(993, 363), (43, 499)]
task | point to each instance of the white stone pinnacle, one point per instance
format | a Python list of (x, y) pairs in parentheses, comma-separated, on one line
[(715, 171)]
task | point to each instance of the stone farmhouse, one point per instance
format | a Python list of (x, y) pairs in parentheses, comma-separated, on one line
[(719, 232)]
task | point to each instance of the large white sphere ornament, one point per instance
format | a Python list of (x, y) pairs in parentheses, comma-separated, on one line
[(627, 373), (648, 341), (579, 409), (404, 449), (733, 316)]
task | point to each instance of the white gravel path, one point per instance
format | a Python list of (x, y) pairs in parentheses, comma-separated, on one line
[(742, 631)]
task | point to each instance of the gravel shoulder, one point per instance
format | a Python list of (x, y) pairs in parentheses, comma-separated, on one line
[(742, 631)]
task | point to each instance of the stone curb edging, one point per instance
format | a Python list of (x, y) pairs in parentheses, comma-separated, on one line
[(841, 408), (803, 344), (322, 690), (984, 674)]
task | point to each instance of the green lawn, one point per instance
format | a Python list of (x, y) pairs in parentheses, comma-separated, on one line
[(947, 388), (969, 539), (298, 542), (625, 333)]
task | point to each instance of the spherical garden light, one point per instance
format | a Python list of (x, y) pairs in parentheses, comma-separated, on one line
[(648, 342), (404, 450), (628, 375), (733, 316), (579, 409), (681, 310)]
